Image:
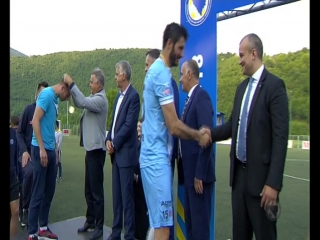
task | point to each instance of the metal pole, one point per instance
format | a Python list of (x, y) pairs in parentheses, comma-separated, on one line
[(290, 109), (67, 114)]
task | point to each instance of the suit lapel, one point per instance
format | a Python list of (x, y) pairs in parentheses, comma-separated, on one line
[(125, 97), (256, 94), (114, 108), (190, 101), (238, 102)]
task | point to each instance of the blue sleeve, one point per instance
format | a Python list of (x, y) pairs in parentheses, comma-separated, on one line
[(176, 95), (43, 101), (162, 86)]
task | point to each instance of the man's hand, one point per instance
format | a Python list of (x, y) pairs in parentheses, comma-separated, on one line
[(67, 79), (205, 139), (206, 130), (43, 157), (269, 196), (25, 158), (135, 177), (109, 147), (198, 186)]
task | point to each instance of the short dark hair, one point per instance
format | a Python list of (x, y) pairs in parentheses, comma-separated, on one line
[(255, 43), (194, 67), (57, 123), (153, 53), (42, 84), (14, 120), (174, 31)]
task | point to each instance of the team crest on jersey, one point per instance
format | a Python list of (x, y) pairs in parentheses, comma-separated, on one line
[(166, 92)]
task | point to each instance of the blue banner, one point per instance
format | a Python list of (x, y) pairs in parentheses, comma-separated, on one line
[(199, 18)]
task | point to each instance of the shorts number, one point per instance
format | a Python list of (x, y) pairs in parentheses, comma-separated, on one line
[(165, 214)]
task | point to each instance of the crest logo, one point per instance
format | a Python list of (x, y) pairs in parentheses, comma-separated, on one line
[(197, 11)]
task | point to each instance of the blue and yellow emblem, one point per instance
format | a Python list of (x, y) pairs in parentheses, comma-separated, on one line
[(197, 11)]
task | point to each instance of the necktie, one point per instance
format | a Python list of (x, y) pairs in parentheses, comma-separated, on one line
[(243, 126), (185, 106)]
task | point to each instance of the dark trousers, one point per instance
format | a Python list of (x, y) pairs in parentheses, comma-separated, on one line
[(247, 215), (141, 211), (27, 185), (122, 201), (43, 188), (94, 193), (59, 165), (197, 212), (59, 169)]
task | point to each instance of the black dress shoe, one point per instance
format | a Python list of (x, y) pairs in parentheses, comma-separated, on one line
[(97, 233), (112, 238), (86, 227)]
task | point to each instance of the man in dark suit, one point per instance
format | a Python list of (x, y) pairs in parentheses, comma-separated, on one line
[(258, 127), (151, 56), (122, 148), (198, 163)]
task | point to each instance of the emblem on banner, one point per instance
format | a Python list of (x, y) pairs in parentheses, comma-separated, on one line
[(197, 11)]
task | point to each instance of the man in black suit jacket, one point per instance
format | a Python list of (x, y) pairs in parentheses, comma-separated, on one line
[(258, 127), (122, 147), (198, 163)]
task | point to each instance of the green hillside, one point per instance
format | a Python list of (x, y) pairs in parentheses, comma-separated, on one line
[(25, 73), (15, 53)]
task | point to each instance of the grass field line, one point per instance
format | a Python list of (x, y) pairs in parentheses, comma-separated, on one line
[(297, 160), (302, 179)]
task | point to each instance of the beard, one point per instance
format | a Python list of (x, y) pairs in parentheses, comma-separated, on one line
[(174, 61)]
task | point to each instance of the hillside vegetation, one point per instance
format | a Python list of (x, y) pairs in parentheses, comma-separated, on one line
[(25, 73)]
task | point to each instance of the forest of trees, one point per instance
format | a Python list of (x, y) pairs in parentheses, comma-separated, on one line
[(26, 72)]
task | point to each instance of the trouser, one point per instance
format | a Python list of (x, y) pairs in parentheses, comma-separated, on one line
[(59, 169), (248, 217), (94, 193), (27, 185), (43, 188)]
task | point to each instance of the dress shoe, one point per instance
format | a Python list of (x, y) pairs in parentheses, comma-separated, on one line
[(86, 228), (97, 233), (112, 238)]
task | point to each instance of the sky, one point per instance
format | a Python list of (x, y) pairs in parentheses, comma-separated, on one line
[(40, 27)]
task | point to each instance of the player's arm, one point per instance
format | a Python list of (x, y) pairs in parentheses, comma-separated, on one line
[(177, 127), (41, 108), (164, 92)]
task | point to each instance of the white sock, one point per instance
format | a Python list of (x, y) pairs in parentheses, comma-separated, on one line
[(43, 228)]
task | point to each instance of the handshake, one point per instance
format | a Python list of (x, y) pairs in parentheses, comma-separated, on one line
[(204, 139)]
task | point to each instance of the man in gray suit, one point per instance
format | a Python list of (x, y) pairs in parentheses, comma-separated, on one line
[(92, 138)]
